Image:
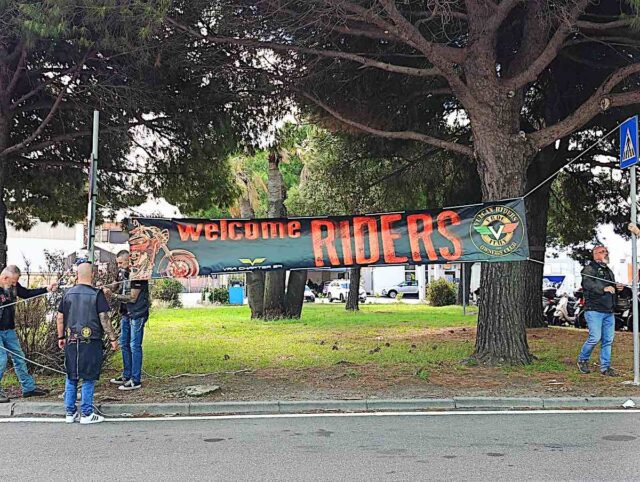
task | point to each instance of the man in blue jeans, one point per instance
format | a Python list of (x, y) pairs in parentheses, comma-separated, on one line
[(10, 291), (599, 286), (134, 308), (83, 319)]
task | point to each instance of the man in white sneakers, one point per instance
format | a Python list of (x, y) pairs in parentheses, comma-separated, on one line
[(133, 296), (83, 320)]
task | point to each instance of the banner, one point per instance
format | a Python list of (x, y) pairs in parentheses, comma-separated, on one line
[(190, 247)]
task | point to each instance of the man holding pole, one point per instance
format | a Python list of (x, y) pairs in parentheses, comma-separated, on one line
[(599, 286)]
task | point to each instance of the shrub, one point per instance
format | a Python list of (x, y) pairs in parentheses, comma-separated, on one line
[(168, 291), (441, 293), (221, 295)]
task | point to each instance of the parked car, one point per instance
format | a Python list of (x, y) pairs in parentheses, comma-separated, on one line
[(339, 290), (308, 295), (325, 288), (406, 288)]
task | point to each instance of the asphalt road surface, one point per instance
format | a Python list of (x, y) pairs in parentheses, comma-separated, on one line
[(543, 446)]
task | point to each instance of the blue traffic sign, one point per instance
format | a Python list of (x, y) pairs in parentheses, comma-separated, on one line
[(629, 142)]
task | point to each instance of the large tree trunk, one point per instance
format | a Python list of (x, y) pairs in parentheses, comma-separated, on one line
[(537, 206), (255, 279), (353, 299), (295, 293), (274, 285), (503, 160)]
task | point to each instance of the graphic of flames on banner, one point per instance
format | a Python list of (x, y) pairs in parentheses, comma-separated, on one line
[(182, 248)]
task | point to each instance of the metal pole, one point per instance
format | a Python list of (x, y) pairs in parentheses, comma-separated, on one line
[(93, 195), (634, 267), (464, 290)]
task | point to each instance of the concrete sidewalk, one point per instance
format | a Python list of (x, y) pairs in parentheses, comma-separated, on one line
[(18, 409)]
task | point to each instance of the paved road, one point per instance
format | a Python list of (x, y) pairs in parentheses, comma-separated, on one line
[(595, 446)]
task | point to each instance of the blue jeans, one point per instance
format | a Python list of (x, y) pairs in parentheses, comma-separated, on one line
[(132, 332), (71, 393), (601, 330), (9, 340)]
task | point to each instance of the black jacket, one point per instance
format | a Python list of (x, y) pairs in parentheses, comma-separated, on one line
[(596, 299), (8, 296)]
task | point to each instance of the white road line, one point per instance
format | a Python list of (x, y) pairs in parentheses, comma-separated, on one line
[(327, 415)]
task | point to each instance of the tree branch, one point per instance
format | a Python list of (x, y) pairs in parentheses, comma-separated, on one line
[(366, 62), (531, 73), (41, 86), (600, 101), (407, 135), (621, 23), (17, 73)]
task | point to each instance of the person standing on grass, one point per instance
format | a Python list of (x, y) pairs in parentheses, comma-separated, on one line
[(599, 286), (134, 307), (83, 320), (10, 291)]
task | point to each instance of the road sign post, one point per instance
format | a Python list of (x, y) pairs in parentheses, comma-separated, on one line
[(93, 192), (629, 159)]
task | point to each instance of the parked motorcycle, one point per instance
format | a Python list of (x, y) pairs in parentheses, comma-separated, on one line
[(580, 321), (565, 311), (549, 302)]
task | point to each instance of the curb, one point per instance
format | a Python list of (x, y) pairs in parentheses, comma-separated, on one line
[(311, 406)]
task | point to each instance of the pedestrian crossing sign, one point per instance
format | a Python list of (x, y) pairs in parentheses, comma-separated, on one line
[(629, 142)]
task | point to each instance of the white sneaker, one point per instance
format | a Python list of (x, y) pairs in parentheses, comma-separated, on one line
[(130, 385), (93, 418), (72, 418)]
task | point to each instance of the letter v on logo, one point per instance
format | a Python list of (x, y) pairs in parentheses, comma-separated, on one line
[(498, 233)]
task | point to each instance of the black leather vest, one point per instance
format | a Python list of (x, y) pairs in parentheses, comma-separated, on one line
[(81, 319)]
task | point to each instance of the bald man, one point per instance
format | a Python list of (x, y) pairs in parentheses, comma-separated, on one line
[(83, 320), (10, 291)]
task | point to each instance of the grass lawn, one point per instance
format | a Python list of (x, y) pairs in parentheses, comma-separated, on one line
[(386, 351), (225, 338)]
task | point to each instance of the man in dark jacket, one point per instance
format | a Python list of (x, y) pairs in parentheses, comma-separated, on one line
[(599, 286), (10, 291), (134, 299), (82, 322)]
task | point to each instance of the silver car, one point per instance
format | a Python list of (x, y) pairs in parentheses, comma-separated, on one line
[(406, 288)]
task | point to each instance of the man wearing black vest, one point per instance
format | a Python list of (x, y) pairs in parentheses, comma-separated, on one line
[(83, 320), (134, 307)]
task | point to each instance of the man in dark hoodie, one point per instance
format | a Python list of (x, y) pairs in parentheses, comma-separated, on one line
[(599, 286), (10, 291)]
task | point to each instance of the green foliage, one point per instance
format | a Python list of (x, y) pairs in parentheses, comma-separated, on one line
[(220, 295), (168, 291), (441, 293)]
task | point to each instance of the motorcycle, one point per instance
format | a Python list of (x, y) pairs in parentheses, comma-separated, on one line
[(580, 321), (549, 302), (565, 311)]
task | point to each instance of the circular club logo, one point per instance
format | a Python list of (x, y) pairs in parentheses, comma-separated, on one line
[(497, 230)]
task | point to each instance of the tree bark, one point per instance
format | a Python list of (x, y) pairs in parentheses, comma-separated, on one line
[(503, 160), (353, 299), (295, 293), (537, 207), (255, 279), (274, 285)]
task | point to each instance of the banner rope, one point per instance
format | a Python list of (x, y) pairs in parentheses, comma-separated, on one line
[(552, 176)]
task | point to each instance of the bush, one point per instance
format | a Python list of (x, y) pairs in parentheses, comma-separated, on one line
[(168, 291), (441, 293), (221, 295)]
